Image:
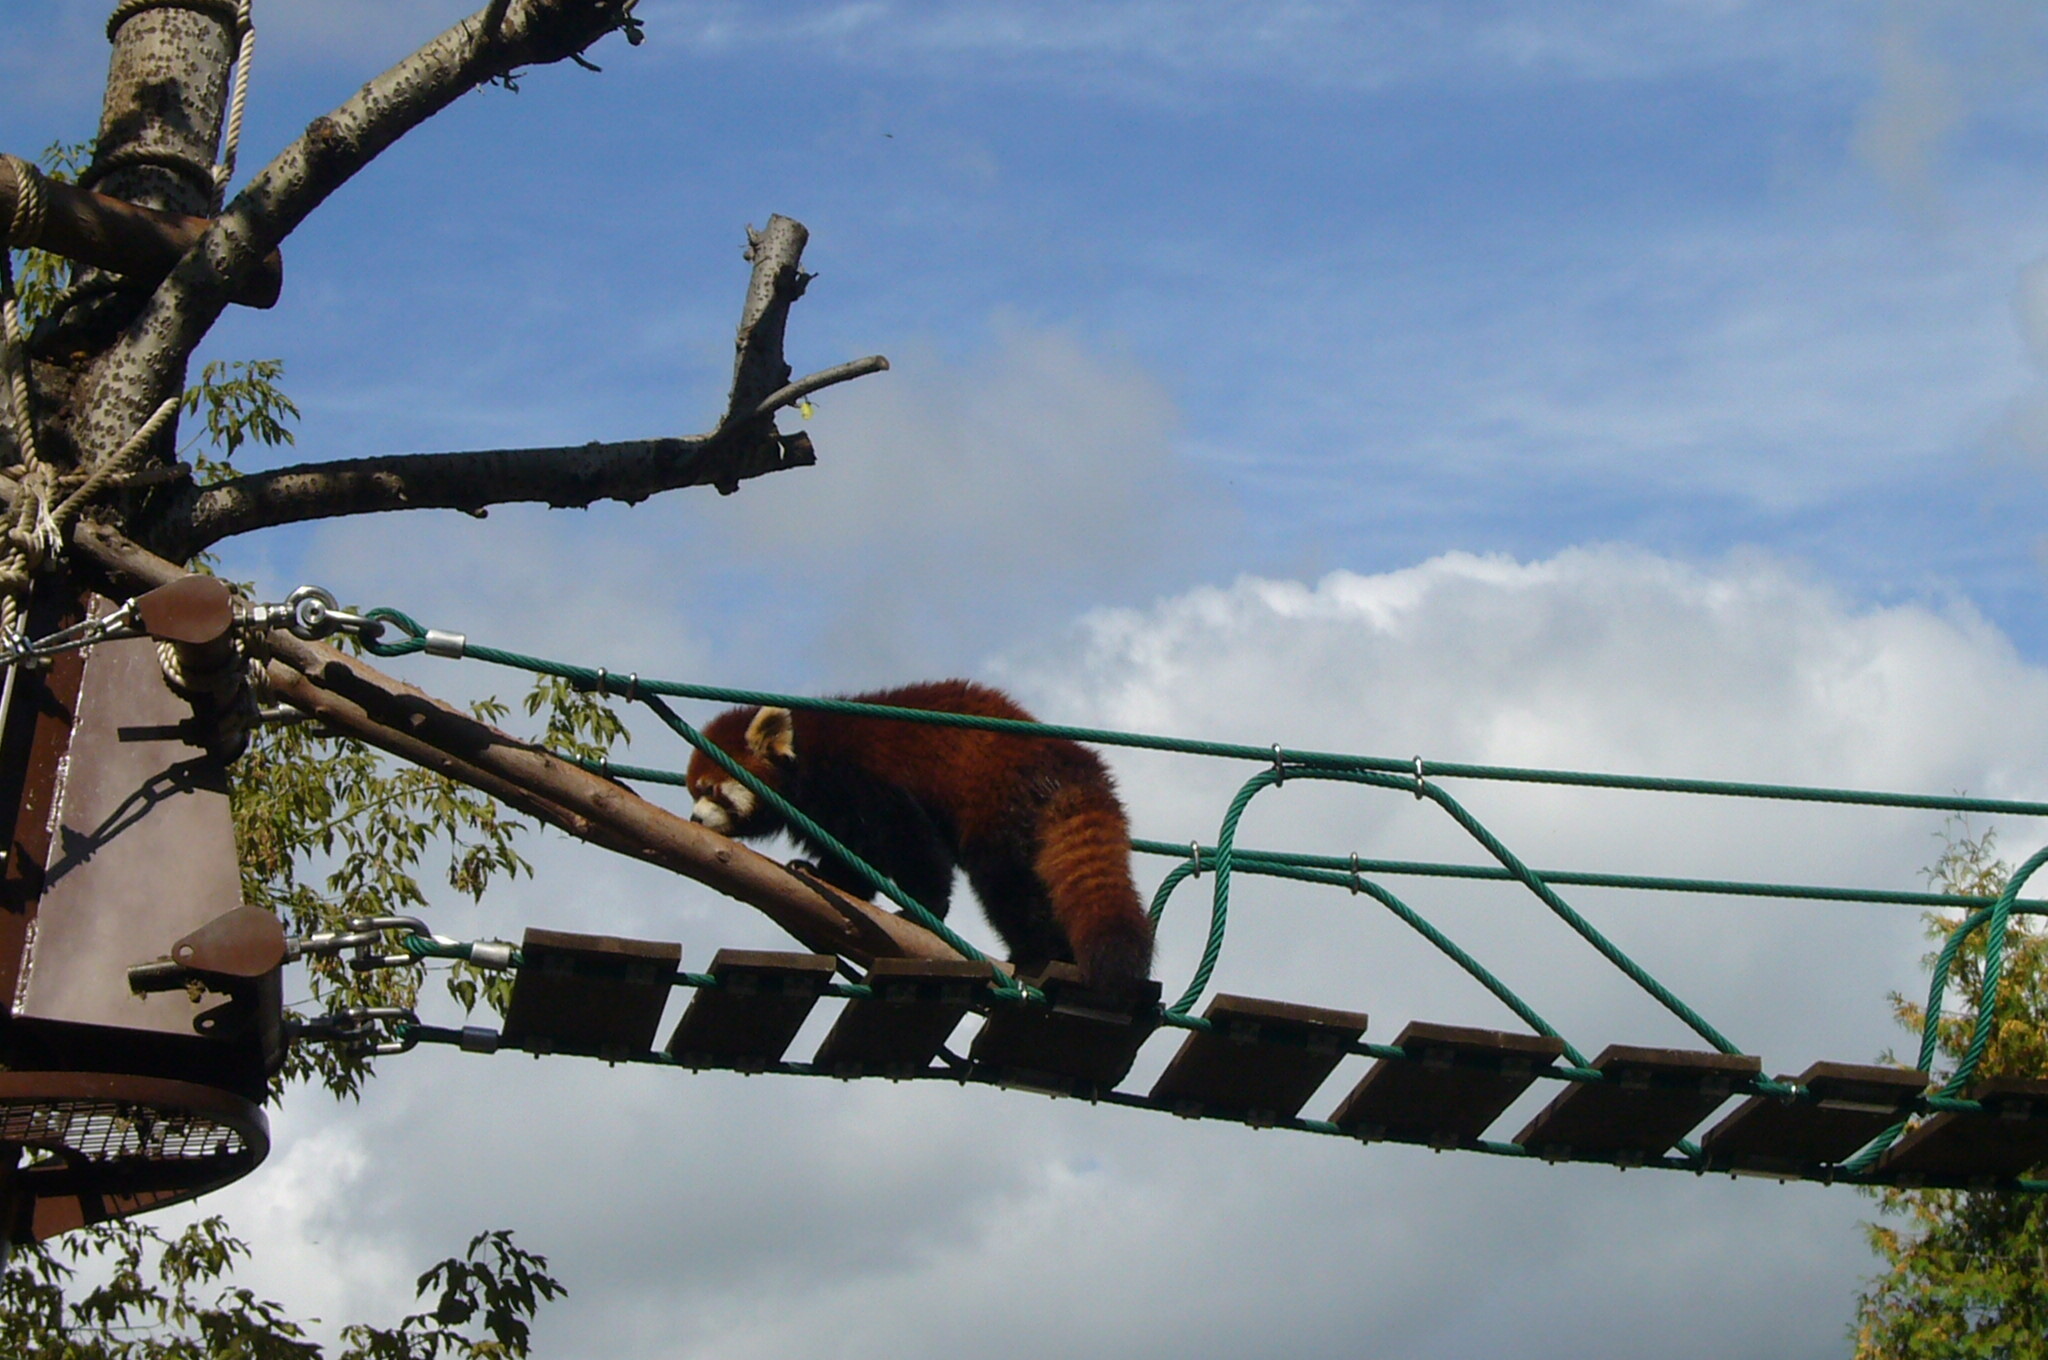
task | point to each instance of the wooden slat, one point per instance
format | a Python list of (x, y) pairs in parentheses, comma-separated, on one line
[(916, 1006), (2008, 1139), (595, 995), (1801, 1137), (1083, 1044), (1652, 1098), (1261, 1062), (1458, 1083), (749, 1020)]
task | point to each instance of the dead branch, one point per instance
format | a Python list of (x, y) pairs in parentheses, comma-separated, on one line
[(745, 444)]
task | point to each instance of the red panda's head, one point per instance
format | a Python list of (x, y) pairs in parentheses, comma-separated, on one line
[(762, 741)]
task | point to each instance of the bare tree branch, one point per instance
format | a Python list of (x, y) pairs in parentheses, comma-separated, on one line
[(572, 476), (745, 444), (354, 698), (142, 368)]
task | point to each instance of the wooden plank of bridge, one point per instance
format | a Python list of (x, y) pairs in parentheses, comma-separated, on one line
[(1652, 1098), (2009, 1138), (916, 1006), (1458, 1081), (750, 1019), (1261, 1061), (595, 995), (1082, 1044), (1770, 1136)]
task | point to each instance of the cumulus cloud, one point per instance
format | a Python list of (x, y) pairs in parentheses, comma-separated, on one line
[(725, 1216), (958, 506)]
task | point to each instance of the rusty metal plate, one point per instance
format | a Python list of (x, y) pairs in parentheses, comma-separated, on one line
[(141, 852)]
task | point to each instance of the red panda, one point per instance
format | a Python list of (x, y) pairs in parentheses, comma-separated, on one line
[(1033, 821)]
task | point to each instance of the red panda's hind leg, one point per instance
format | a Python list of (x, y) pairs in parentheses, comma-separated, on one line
[(1084, 861)]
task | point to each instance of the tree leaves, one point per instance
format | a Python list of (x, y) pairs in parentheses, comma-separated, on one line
[(1967, 1274)]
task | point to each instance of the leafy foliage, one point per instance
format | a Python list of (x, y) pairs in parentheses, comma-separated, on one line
[(168, 1298), (241, 401), (328, 831), (39, 275), (1967, 1273)]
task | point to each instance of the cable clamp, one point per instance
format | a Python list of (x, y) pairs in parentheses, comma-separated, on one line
[(1279, 767), (1420, 787), (1357, 883), (441, 642), (1195, 859), (493, 954)]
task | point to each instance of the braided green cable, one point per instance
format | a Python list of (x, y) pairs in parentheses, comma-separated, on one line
[(1492, 845), (610, 682)]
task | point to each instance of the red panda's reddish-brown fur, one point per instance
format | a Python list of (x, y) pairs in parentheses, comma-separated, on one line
[(1034, 822)]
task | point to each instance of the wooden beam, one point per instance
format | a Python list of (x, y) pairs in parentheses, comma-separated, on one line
[(118, 236)]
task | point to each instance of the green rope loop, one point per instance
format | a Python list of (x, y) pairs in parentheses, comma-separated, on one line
[(412, 637)]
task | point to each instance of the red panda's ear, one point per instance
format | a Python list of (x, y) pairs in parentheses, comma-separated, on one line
[(772, 734)]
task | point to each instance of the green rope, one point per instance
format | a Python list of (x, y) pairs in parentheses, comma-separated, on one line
[(1528, 877), (1406, 775), (1408, 915), (1570, 877), (413, 639)]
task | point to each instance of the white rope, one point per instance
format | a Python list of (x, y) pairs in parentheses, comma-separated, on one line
[(245, 57)]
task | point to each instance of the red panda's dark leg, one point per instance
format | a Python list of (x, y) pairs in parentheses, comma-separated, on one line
[(1014, 900)]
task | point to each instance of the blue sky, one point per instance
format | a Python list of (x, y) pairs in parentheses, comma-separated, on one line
[(1660, 387)]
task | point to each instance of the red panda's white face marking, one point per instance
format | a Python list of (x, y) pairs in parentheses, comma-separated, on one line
[(723, 805)]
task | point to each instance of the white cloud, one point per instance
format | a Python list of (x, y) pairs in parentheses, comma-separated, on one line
[(723, 1216), (958, 506)]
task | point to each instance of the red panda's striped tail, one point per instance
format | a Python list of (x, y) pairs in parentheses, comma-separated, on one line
[(1084, 861)]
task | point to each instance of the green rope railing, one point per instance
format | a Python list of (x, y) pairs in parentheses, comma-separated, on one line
[(1415, 776)]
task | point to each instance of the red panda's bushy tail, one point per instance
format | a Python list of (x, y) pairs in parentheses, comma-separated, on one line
[(1084, 860)]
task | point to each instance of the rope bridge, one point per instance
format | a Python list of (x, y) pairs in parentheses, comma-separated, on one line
[(1261, 1061)]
